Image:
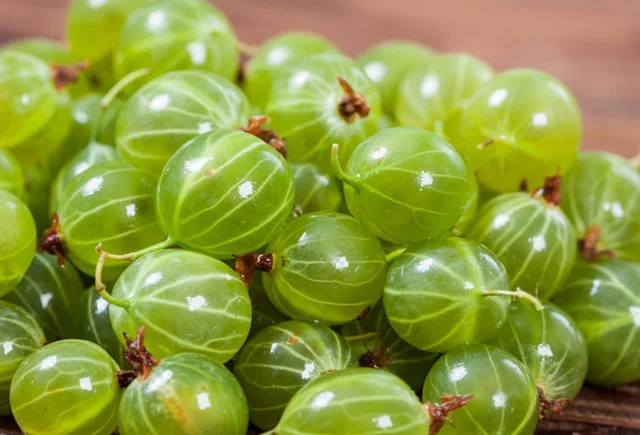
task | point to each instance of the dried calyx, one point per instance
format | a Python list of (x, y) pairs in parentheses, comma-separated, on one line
[(548, 407), (140, 360), (51, 241), (352, 104), (437, 413), (588, 246), (376, 359), (65, 75), (247, 264), (254, 127), (550, 190)]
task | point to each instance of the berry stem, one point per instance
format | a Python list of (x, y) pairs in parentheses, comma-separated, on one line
[(255, 128), (364, 336), (337, 169), (635, 161), (101, 288), (352, 104), (517, 294), (247, 49), (65, 75), (52, 242), (437, 413), (395, 254), (588, 246)]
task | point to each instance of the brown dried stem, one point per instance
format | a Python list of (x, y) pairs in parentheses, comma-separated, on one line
[(376, 359), (588, 246), (51, 241), (140, 360), (548, 407), (65, 75), (247, 264), (550, 190), (254, 127), (352, 104), (438, 414)]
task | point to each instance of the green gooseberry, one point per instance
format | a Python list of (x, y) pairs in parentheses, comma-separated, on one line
[(93, 27), (322, 267), (279, 360), (110, 203), (187, 301), (388, 63), (386, 121), (362, 401), (432, 95), (377, 345), (11, 176), (18, 235), (224, 193), (319, 100), (50, 293), (405, 184), (172, 109), (601, 198), (263, 312), (184, 394), (603, 297), (315, 191), (275, 54), (91, 155), (177, 35), (67, 387), (505, 399), (523, 124), (470, 209), (445, 292), (532, 237), (550, 345), (20, 336), (34, 106), (90, 321), (38, 177)]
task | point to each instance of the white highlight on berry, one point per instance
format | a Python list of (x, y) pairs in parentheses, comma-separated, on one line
[(92, 186), (245, 189), (278, 56), (595, 287), (499, 399), (197, 52), (45, 299), (614, 208), (160, 102), (500, 221), (376, 71), (7, 347), (457, 373), (497, 97), (48, 362), (158, 382), (152, 279), (309, 368), (203, 401), (424, 265), (540, 119), (101, 306), (430, 86), (379, 153), (156, 20), (635, 315), (196, 302), (539, 244), (340, 263), (544, 350), (425, 179), (85, 384), (383, 422), (322, 400), (130, 210)]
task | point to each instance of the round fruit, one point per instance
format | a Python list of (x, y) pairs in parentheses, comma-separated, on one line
[(603, 297), (50, 293), (184, 394), (550, 344), (432, 96), (470, 209), (18, 235), (405, 184), (276, 54), (110, 203), (323, 267), (66, 387), (281, 359), (34, 107), (38, 177), (388, 63), (362, 401), (505, 399), (20, 336), (90, 321), (601, 194), (523, 124), (320, 100), (187, 301), (315, 191), (11, 177), (173, 109), (375, 344), (224, 193), (438, 294), (532, 237), (177, 35)]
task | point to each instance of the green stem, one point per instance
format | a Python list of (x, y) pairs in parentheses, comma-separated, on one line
[(132, 256), (395, 254), (247, 49), (517, 294), (635, 160), (337, 169), (122, 303), (365, 336)]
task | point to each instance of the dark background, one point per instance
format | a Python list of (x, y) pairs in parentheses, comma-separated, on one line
[(593, 46)]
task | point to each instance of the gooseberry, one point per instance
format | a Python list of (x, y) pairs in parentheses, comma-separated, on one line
[(314, 191)]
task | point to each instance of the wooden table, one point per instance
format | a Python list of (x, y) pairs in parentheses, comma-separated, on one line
[(592, 46)]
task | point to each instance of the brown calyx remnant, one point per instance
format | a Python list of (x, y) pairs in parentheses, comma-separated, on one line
[(364, 313), (65, 75), (247, 264), (376, 359), (550, 190), (254, 127), (437, 414), (588, 246), (140, 360), (293, 339), (352, 104), (51, 241), (548, 407), (524, 185)]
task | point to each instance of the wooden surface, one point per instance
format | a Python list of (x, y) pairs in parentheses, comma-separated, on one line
[(591, 45)]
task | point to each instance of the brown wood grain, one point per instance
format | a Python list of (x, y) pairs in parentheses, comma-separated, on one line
[(591, 45)]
